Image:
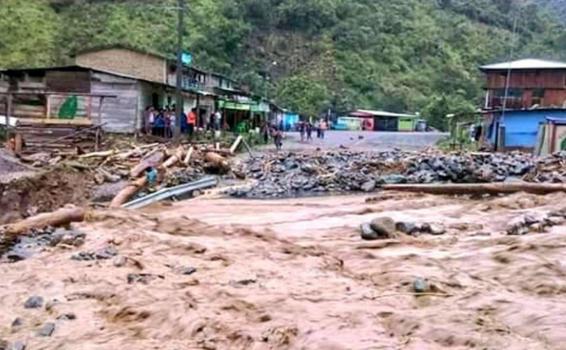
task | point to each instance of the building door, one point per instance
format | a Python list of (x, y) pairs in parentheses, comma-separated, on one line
[(155, 100)]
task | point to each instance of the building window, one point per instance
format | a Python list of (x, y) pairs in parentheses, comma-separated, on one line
[(538, 96)]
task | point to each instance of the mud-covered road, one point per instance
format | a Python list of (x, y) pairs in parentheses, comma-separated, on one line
[(294, 274)]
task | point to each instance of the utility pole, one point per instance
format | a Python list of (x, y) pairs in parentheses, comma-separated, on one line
[(179, 72)]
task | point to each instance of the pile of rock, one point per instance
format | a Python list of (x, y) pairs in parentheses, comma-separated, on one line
[(387, 228), (297, 174), (25, 246), (540, 223), (549, 169)]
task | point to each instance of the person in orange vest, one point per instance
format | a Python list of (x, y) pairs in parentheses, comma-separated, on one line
[(192, 121)]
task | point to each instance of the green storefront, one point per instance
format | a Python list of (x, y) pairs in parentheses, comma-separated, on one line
[(244, 116)]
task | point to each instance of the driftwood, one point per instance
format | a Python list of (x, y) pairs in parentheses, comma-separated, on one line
[(217, 162), (128, 192), (177, 157), (187, 159), (152, 160), (479, 189), (60, 217), (236, 144)]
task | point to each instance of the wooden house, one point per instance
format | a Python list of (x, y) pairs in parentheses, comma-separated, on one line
[(520, 95)]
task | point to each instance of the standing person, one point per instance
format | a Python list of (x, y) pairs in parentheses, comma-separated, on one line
[(159, 125), (149, 120), (278, 138), (309, 131), (217, 120), (317, 127), (167, 121), (265, 132), (172, 121), (192, 121), (323, 127), (302, 130)]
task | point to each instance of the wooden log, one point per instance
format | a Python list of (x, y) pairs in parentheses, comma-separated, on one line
[(236, 144), (103, 154), (128, 192), (217, 161), (187, 159), (57, 218), (179, 153), (152, 160), (479, 189)]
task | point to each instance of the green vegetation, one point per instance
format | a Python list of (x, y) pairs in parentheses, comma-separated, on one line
[(309, 55)]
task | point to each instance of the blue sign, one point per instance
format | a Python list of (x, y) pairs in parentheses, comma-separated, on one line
[(187, 58)]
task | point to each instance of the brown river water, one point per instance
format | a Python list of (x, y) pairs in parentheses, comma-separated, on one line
[(294, 274)]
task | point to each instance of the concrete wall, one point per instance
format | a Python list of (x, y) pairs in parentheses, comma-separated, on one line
[(127, 62)]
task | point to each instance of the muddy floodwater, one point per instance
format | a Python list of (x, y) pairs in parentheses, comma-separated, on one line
[(294, 274)]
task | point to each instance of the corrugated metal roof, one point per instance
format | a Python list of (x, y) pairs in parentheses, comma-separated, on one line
[(385, 114), (525, 64)]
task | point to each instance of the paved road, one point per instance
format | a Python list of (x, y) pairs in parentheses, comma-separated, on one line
[(366, 140)]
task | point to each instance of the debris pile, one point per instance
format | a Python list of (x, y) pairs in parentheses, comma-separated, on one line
[(296, 174), (549, 169), (536, 223), (387, 228)]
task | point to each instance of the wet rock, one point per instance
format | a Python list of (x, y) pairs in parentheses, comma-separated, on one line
[(34, 302), (47, 330), (531, 220), (102, 254), (425, 228), (106, 253), (420, 285), (51, 304), (17, 322), (119, 261), (186, 270), (408, 228), (437, 229), (143, 278), (517, 228), (18, 345), (384, 227), (394, 179), (369, 186), (67, 317), (368, 233), (554, 221)]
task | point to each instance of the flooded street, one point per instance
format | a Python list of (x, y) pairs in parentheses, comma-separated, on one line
[(294, 274)]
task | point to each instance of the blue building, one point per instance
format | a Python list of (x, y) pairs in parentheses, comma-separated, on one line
[(518, 129), (520, 96)]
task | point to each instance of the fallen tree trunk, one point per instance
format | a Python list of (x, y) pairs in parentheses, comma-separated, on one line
[(217, 162), (57, 218), (152, 160), (236, 144), (102, 154), (128, 192), (179, 153), (479, 189), (188, 156)]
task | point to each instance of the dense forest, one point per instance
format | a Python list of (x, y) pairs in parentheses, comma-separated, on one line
[(308, 55)]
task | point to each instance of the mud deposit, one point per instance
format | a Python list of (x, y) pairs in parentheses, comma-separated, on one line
[(35, 193), (294, 274)]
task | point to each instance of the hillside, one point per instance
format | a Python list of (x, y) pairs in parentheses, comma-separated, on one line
[(310, 55)]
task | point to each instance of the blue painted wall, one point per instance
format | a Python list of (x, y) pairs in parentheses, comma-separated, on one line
[(521, 127)]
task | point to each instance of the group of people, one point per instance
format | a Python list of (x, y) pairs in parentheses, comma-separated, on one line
[(162, 121), (307, 128)]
